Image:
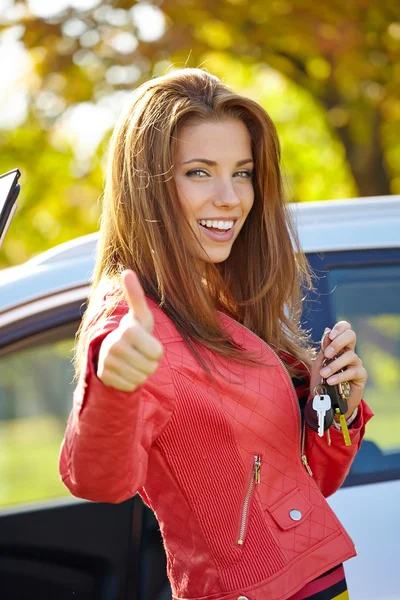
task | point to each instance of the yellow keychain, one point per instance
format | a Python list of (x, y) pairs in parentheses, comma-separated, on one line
[(345, 430)]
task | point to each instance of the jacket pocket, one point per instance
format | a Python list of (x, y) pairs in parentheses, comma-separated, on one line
[(291, 510), (255, 478)]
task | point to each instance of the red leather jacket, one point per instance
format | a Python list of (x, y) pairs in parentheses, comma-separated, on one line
[(220, 465)]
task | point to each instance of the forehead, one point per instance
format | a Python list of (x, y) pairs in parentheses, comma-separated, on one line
[(213, 139)]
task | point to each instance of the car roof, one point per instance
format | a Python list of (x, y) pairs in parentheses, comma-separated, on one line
[(332, 225)]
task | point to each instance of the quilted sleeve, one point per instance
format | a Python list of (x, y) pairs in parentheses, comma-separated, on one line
[(331, 464), (104, 453)]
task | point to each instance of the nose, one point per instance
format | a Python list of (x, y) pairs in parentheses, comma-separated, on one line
[(226, 195)]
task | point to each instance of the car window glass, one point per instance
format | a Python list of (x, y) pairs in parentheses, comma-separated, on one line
[(368, 297), (35, 399)]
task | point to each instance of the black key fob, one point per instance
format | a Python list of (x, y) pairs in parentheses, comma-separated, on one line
[(339, 392)]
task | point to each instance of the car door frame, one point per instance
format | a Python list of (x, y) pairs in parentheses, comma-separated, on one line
[(318, 313), (22, 523)]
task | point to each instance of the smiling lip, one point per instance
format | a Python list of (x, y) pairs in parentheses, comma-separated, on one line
[(226, 236)]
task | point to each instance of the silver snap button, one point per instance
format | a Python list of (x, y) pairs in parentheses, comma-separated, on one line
[(295, 515), (242, 598)]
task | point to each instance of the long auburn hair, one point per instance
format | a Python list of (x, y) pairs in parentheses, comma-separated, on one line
[(262, 281)]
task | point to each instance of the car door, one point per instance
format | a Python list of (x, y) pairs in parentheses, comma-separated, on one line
[(54, 546), (363, 287)]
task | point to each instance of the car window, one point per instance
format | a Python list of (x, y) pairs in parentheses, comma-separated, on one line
[(35, 399), (368, 297)]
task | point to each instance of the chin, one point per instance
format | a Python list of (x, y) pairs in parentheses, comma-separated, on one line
[(214, 256), (218, 258)]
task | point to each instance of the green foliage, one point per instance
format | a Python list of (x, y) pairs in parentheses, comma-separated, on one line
[(29, 460), (346, 55), (328, 72), (313, 159), (54, 204)]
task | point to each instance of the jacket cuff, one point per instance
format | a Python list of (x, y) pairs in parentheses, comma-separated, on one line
[(357, 429), (93, 354), (349, 421)]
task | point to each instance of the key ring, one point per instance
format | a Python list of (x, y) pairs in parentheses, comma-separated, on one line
[(323, 338), (319, 390)]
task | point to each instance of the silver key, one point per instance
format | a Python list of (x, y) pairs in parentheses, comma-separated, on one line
[(321, 404)]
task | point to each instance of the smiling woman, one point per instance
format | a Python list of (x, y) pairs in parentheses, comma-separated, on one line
[(183, 395), (151, 195)]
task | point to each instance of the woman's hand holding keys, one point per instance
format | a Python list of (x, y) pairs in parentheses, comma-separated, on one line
[(130, 353), (340, 342)]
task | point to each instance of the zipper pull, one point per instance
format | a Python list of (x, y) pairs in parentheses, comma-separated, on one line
[(257, 469), (305, 463)]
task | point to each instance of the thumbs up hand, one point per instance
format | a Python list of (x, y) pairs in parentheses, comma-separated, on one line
[(130, 353)]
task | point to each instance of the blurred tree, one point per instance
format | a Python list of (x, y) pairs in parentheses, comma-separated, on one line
[(346, 54), (328, 73), (54, 204)]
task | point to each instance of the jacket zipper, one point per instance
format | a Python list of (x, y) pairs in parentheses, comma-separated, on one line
[(255, 479), (302, 424), (303, 456), (302, 453)]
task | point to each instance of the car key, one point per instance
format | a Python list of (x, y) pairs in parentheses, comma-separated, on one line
[(339, 394), (311, 416), (321, 404)]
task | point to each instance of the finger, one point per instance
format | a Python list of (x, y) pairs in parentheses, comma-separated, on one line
[(339, 328), (347, 339), (117, 381), (136, 360), (342, 362), (125, 370), (354, 375), (317, 365), (325, 339), (145, 343), (136, 299)]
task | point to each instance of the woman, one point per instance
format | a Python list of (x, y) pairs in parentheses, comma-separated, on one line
[(184, 353)]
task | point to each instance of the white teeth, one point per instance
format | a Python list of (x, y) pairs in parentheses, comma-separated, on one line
[(217, 224)]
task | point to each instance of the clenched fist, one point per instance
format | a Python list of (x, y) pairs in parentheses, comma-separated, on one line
[(130, 353)]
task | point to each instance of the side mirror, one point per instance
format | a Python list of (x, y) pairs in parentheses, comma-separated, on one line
[(9, 190)]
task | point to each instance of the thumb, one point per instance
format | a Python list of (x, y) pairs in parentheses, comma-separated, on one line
[(136, 299), (324, 343), (319, 359)]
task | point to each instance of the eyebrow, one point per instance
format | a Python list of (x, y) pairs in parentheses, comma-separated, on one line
[(212, 163)]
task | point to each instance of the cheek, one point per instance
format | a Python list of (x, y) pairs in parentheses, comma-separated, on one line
[(183, 195), (250, 200), (190, 197)]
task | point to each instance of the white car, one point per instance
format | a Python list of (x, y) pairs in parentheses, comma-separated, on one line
[(54, 546)]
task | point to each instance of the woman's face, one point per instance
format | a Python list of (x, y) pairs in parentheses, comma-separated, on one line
[(213, 174)]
